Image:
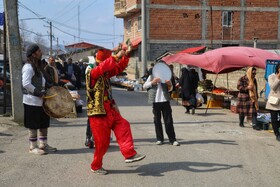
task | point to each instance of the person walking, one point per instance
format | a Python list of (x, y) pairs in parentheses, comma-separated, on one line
[(274, 106), (247, 104), (102, 111), (159, 97), (35, 119)]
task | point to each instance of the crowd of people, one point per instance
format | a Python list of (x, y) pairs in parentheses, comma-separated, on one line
[(102, 111)]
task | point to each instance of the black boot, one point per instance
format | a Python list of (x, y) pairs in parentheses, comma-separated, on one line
[(193, 111), (87, 142), (241, 121), (278, 138)]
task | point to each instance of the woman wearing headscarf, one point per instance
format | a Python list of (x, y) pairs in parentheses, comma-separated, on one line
[(248, 98), (188, 83), (274, 83)]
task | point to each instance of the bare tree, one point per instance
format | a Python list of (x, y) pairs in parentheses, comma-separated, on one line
[(24, 33), (41, 42)]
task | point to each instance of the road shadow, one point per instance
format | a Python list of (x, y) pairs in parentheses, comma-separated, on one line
[(72, 151), (182, 122), (112, 148), (211, 114), (158, 169), (227, 142), (2, 151), (5, 134)]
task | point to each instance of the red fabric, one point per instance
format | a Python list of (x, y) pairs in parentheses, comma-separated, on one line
[(101, 127), (108, 66), (224, 59), (102, 54)]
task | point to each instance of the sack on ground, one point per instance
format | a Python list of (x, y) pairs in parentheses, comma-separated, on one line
[(199, 98)]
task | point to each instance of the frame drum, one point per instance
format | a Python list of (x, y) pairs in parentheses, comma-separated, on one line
[(58, 102), (162, 71)]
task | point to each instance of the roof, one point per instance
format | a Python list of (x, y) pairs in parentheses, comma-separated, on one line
[(134, 43), (80, 45), (193, 50)]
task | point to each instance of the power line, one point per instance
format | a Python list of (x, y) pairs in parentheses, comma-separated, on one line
[(64, 25), (67, 26), (61, 11), (82, 10), (38, 34)]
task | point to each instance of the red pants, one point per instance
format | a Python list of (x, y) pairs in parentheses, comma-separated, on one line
[(101, 127)]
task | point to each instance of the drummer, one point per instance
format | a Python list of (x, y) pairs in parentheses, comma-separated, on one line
[(159, 97), (35, 119)]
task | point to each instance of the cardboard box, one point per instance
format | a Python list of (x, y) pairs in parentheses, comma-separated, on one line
[(215, 104)]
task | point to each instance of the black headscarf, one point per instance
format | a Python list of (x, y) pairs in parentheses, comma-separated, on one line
[(188, 83)]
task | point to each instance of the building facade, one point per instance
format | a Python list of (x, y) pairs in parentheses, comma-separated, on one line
[(173, 25)]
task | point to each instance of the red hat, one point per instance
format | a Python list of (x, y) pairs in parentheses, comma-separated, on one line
[(102, 54)]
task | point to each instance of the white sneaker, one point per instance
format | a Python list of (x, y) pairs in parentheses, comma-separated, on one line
[(135, 158), (159, 142), (48, 148), (175, 143), (100, 171), (37, 151)]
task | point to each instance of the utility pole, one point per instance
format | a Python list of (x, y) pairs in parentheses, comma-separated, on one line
[(144, 37), (51, 37), (79, 24), (15, 58), (56, 46)]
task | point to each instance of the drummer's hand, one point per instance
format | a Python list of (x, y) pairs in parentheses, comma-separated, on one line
[(155, 81)]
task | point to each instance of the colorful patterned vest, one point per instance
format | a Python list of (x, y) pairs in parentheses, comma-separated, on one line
[(95, 95)]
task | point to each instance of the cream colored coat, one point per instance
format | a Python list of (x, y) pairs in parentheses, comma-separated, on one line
[(274, 84)]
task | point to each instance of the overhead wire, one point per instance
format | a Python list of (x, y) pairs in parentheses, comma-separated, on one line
[(81, 11), (61, 11), (64, 25)]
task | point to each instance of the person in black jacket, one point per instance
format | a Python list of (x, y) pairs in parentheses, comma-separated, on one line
[(188, 83), (73, 73)]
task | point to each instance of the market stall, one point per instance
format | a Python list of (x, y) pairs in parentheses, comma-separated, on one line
[(223, 60)]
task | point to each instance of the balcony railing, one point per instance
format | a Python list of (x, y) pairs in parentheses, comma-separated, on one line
[(120, 8)]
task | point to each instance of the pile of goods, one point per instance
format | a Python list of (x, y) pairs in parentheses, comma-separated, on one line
[(205, 85)]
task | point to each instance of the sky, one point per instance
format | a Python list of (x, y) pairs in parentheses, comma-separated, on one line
[(97, 22)]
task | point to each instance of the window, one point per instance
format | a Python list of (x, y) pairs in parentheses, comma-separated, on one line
[(227, 18), (139, 22), (129, 26)]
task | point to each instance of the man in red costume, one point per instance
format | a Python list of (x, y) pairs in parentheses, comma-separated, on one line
[(102, 111)]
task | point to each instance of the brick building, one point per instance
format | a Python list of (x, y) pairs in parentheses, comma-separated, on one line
[(173, 25)]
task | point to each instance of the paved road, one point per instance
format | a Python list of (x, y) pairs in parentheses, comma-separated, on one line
[(214, 151)]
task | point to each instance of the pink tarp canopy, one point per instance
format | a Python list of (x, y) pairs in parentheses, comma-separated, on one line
[(225, 59)]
